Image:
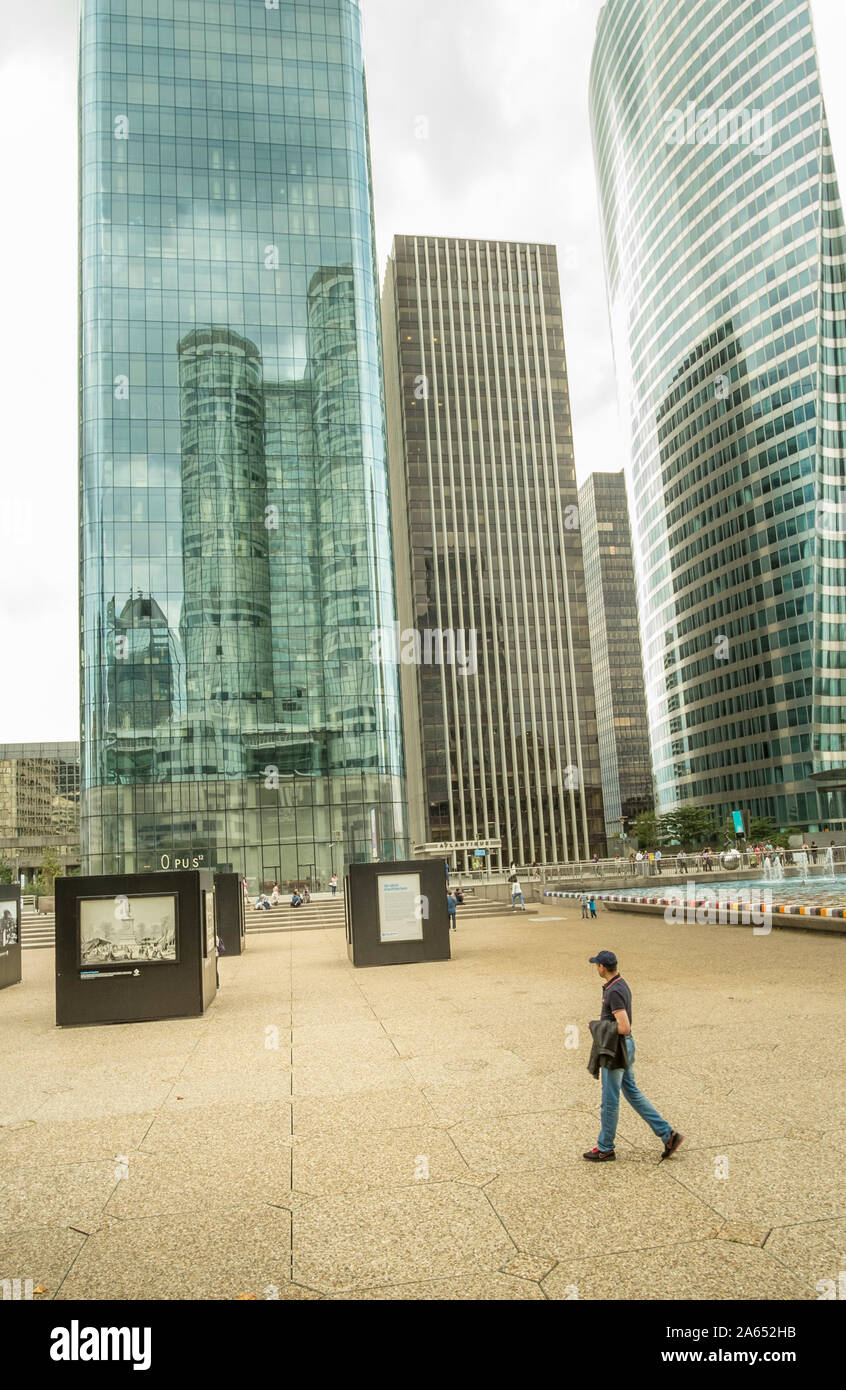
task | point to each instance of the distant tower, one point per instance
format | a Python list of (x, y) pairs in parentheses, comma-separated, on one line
[(486, 536), (610, 584)]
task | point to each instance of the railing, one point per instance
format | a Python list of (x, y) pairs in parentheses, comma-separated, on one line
[(695, 862), (719, 862)]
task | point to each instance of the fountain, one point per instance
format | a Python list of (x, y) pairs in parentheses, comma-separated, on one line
[(800, 858), (768, 868), (829, 860), (778, 869)]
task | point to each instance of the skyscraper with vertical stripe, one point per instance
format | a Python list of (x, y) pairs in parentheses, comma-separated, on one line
[(500, 740), (725, 253)]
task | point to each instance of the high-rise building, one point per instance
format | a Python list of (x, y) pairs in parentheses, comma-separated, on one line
[(493, 638), (621, 722), (236, 542), (39, 806), (726, 270)]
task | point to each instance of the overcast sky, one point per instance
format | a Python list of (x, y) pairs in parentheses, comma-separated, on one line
[(479, 128)]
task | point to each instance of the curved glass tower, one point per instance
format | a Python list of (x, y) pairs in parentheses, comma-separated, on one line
[(726, 270), (236, 553)]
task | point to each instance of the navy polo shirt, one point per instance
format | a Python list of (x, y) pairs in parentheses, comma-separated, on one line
[(616, 995)]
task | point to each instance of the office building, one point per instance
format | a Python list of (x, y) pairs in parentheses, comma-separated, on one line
[(39, 806), (621, 722), (725, 255), (236, 545), (493, 638)]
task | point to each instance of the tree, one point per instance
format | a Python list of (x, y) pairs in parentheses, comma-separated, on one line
[(687, 826), (762, 830), (6, 872), (644, 829), (49, 870)]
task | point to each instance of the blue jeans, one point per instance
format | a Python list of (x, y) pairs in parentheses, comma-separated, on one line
[(613, 1082), (517, 897)]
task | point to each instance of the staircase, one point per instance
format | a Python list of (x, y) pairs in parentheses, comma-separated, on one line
[(485, 907), (325, 912), (38, 929)]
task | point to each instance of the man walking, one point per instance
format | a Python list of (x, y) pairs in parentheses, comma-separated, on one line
[(517, 892), (617, 1006), (452, 904)]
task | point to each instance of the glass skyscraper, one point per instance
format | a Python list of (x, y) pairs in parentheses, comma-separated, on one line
[(236, 553), (726, 270)]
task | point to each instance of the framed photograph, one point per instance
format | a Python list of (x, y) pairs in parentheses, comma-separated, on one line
[(400, 915), (211, 938), (9, 924), (140, 929)]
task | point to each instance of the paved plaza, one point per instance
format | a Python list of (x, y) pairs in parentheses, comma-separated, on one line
[(416, 1131)]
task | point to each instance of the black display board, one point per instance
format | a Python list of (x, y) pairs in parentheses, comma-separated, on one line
[(231, 917), (135, 947), (10, 934), (396, 914)]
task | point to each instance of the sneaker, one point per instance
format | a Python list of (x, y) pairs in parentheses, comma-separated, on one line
[(672, 1144), (600, 1155)]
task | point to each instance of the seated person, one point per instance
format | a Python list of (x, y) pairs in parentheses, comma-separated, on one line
[(458, 895), (296, 900)]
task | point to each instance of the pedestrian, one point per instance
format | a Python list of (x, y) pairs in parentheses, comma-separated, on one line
[(592, 905), (274, 897), (617, 1069), (517, 892), (451, 906), (333, 884), (585, 902), (814, 848), (618, 864), (657, 861)]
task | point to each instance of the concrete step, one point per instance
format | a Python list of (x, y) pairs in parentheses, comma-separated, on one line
[(486, 907), (323, 913), (37, 931)]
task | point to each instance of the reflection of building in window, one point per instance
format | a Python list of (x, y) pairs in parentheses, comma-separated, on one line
[(39, 805), (226, 632)]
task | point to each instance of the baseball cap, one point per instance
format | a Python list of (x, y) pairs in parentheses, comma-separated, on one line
[(604, 958)]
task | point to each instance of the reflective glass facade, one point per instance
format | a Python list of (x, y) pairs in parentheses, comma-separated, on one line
[(724, 244), (39, 805), (621, 721), (502, 740), (236, 554)]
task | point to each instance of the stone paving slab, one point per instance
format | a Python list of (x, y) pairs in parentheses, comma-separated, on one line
[(416, 1133), (205, 1254)]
